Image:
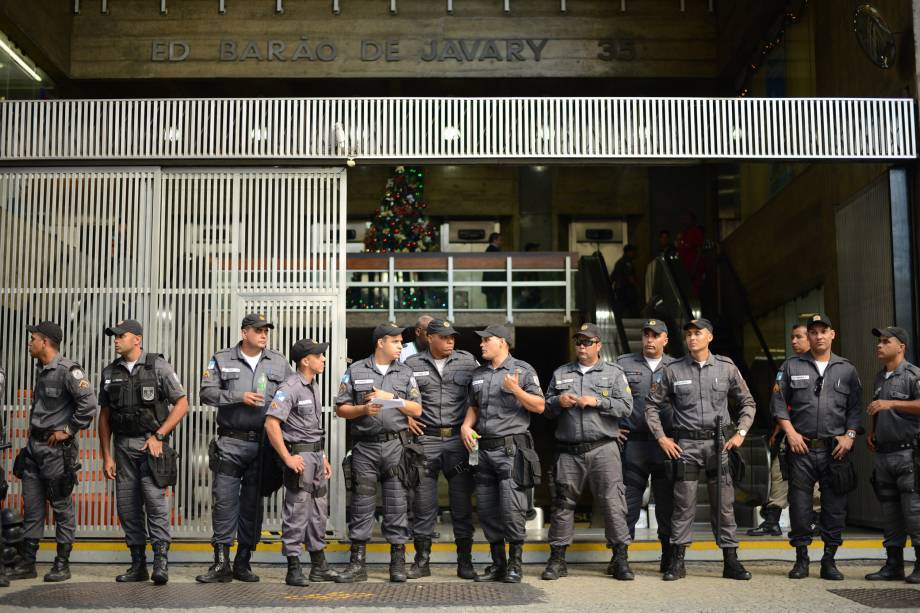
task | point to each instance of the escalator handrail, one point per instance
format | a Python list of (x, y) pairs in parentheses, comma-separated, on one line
[(599, 294)]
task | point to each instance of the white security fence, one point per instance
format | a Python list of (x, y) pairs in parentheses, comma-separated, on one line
[(459, 129), (187, 253)]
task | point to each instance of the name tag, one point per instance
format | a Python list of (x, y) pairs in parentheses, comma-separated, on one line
[(303, 402), (477, 382), (801, 377), (423, 373), (229, 369), (566, 380), (687, 382), (363, 381)]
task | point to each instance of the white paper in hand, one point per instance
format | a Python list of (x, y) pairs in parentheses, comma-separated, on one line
[(395, 403)]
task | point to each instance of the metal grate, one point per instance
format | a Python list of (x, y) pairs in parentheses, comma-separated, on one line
[(174, 595), (897, 598), (187, 253), (424, 129)]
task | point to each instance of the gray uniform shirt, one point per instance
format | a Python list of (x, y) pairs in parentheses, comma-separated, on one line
[(63, 398), (833, 411), (298, 405), (229, 375), (117, 373), (604, 381), (499, 413), (698, 394), (893, 426), (640, 378), (361, 378), (444, 395)]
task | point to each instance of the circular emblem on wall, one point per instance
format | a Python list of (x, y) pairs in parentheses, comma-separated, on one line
[(874, 36)]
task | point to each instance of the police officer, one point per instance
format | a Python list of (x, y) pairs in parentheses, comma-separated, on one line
[(816, 399), (895, 413), (698, 388), (503, 393), (240, 382), (588, 397), (135, 396), (294, 425), (63, 403), (379, 435), (642, 457), (443, 375)]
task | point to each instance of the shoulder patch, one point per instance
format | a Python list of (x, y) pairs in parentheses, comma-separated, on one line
[(77, 373), (280, 395), (346, 378), (779, 375), (84, 384)]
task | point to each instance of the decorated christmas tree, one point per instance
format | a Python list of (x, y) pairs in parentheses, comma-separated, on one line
[(400, 223)]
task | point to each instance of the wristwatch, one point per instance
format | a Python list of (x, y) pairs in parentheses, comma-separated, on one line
[(159, 436), (743, 433), (851, 434)]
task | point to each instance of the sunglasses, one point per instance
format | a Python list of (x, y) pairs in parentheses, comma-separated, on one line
[(819, 383), (585, 342)]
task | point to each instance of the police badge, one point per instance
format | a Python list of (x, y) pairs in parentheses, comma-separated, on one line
[(148, 394)]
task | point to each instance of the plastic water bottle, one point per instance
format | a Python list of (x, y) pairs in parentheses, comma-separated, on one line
[(261, 383), (474, 452)]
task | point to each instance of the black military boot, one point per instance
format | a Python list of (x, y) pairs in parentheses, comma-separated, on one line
[(893, 570), (242, 571), (732, 567), (465, 559), (138, 570), (295, 573), (220, 571), (319, 569), (515, 563), (914, 577), (356, 570), (25, 567), (800, 568), (555, 566), (420, 566), (160, 573), (398, 564), (665, 556), (828, 566), (676, 569), (770, 524), (499, 566), (60, 570), (621, 569)]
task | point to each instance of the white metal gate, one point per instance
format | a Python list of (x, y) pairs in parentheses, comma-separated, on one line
[(187, 253)]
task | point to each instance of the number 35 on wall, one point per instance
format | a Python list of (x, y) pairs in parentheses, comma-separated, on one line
[(616, 50)]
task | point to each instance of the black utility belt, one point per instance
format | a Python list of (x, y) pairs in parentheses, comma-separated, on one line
[(250, 436), (442, 431), (505, 442), (581, 448), (892, 447), (701, 435), (818, 444), (306, 447), (380, 438)]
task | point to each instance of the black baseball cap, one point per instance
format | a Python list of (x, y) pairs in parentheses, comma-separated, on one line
[(495, 330), (655, 325), (256, 320), (442, 327), (49, 329), (818, 318), (387, 329), (699, 324), (892, 331), (305, 347), (590, 330), (129, 325)]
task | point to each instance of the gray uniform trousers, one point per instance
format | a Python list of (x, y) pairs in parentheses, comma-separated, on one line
[(305, 510), (894, 482), (697, 453), (443, 455), (237, 500), (371, 463), (501, 504), (804, 471), (601, 469), (47, 463), (136, 493), (642, 459)]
